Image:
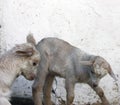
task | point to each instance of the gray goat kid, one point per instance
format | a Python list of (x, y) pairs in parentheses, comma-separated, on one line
[(59, 58), (23, 59)]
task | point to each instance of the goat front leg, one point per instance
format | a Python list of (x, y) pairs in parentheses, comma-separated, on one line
[(100, 93), (37, 88), (70, 90), (47, 90)]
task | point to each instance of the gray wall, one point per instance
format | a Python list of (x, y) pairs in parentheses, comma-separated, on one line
[(91, 25)]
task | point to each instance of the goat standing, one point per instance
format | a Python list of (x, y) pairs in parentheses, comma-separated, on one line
[(23, 60), (59, 58)]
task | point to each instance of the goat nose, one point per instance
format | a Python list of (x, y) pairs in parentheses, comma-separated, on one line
[(94, 83)]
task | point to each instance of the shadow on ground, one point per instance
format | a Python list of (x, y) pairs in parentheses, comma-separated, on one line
[(21, 101), (29, 101)]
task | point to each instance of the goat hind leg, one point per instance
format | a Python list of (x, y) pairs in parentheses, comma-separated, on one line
[(100, 93)]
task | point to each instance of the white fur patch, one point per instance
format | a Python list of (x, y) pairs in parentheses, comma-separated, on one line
[(101, 72), (5, 93), (4, 101)]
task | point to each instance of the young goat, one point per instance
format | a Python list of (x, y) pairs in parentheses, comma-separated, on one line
[(59, 58), (23, 60)]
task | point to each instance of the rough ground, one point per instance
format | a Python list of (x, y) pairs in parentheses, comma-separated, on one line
[(26, 101)]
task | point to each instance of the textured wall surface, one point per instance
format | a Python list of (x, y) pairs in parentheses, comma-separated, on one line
[(91, 25)]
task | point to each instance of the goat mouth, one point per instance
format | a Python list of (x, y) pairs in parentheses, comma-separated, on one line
[(31, 76)]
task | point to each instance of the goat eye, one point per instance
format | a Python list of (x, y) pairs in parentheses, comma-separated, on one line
[(34, 63), (92, 72)]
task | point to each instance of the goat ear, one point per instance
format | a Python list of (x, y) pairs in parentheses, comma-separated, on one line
[(30, 39), (25, 53), (89, 63)]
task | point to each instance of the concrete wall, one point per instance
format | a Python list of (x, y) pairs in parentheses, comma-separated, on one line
[(91, 25)]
